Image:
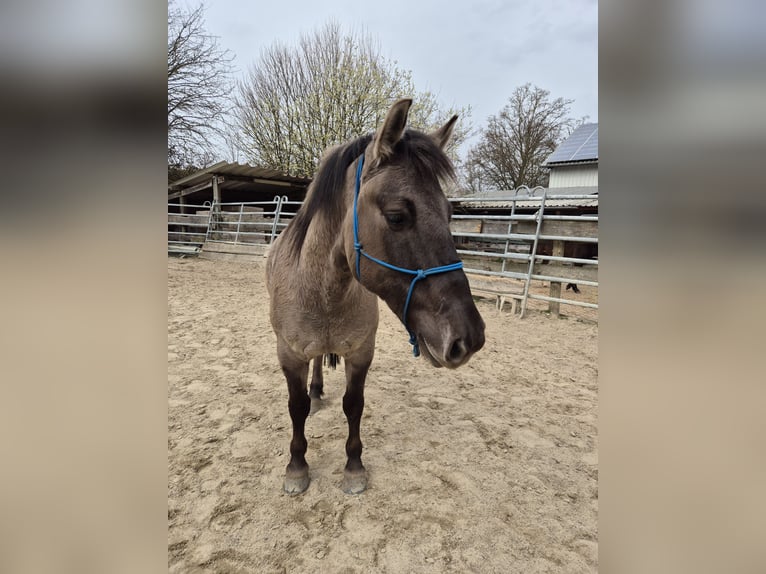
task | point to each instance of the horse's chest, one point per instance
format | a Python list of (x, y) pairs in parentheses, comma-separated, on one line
[(330, 326), (316, 337), (337, 325)]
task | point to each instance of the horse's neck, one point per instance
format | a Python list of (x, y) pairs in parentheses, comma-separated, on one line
[(322, 259)]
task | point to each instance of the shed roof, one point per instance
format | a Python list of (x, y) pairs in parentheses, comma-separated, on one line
[(557, 197), (237, 177), (237, 169), (581, 146)]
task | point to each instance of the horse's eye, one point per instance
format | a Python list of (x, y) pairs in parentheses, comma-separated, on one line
[(395, 218)]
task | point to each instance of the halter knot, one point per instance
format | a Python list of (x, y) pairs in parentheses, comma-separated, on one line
[(415, 346)]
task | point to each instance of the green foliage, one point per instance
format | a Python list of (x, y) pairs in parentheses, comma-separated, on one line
[(329, 88)]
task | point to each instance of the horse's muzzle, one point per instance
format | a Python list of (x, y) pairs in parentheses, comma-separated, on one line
[(451, 343)]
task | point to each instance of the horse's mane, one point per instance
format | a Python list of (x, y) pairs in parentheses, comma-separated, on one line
[(325, 194)]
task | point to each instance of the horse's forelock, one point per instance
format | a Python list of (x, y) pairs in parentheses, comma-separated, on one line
[(421, 152)]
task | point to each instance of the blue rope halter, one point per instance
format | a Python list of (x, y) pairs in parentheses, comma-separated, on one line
[(418, 274)]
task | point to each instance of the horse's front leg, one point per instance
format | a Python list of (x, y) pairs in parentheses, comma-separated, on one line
[(299, 404), (355, 475)]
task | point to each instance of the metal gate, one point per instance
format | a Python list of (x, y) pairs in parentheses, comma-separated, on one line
[(187, 227), (502, 253), (248, 223)]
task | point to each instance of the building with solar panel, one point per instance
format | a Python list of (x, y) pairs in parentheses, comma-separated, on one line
[(575, 161)]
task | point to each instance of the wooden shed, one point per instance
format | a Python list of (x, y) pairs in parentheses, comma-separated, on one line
[(227, 182)]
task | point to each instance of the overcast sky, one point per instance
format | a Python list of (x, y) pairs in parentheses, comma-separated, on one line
[(469, 52)]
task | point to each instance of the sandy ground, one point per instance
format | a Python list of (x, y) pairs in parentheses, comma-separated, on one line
[(489, 468)]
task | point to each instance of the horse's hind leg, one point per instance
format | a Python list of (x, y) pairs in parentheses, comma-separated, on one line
[(354, 475), (316, 388), (299, 404)]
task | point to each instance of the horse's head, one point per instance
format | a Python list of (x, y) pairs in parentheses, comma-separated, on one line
[(403, 221)]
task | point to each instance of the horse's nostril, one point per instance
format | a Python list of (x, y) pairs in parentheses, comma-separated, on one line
[(457, 351)]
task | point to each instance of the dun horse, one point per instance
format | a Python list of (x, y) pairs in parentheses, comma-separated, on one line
[(375, 223)]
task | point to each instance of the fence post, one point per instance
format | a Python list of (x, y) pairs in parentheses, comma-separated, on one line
[(509, 231), (277, 209), (216, 206), (555, 291), (533, 254), (211, 211), (239, 222)]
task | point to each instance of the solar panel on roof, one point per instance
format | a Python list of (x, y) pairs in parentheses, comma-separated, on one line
[(580, 146)]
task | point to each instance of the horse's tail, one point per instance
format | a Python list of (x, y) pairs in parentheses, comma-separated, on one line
[(331, 360)]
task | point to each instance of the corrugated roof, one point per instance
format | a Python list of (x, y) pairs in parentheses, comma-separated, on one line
[(581, 146), (223, 168), (553, 198)]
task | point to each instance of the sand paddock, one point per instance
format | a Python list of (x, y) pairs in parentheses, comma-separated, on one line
[(489, 468)]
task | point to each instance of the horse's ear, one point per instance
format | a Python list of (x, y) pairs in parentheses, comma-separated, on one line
[(444, 133), (391, 130)]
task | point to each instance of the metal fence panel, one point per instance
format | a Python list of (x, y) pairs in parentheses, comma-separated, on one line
[(187, 231), (248, 222), (495, 246), (517, 254)]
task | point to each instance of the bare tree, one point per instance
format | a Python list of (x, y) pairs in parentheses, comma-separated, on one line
[(516, 142), (331, 87), (199, 84)]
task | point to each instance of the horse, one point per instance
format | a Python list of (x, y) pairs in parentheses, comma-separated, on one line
[(576, 250), (375, 224)]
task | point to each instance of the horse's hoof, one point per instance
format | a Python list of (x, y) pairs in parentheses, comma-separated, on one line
[(354, 482), (316, 404), (296, 483)]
